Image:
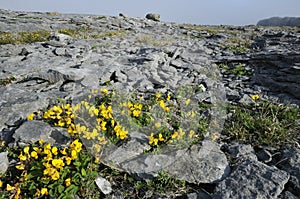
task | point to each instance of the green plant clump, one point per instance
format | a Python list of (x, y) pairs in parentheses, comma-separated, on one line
[(163, 184), (238, 45), (23, 37), (238, 70), (87, 33), (263, 124)]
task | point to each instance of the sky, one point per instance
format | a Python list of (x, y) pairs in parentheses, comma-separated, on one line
[(205, 12)]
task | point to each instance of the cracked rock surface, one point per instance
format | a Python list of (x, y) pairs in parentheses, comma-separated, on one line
[(150, 56)]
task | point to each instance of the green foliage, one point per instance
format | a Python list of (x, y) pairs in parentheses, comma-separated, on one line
[(163, 184), (23, 37), (154, 41), (238, 70), (263, 123), (238, 45), (88, 33), (43, 170)]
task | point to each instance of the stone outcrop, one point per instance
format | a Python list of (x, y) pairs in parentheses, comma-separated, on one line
[(147, 56), (280, 21), (252, 180)]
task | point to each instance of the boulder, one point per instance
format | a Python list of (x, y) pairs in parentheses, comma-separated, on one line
[(152, 16), (252, 179)]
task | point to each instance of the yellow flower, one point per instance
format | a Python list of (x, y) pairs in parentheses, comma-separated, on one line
[(76, 145), (38, 193), (44, 191), (34, 155), (68, 182), (48, 171), (160, 137), (58, 163), (63, 152), (38, 150), (1, 183), (97, 148), (68, 160), (94, 91), (152, 140), (9, 188), (26, 150), (73, 154), (162, 104), (54, 150), (52, 173), (138, 106), (93, 111), (174, 135), (97, 160), (255, 97), (30, 116), (48, 157), (60, 123), (191, 134), (191, 113), (181, 134), (17, 193), (41, 142), (103, 125), (104, 91), (20, 167), (136, 113), (47, 147), (112, 122), (187, 102), (157, 124), (91, 135), (169, 97), (47, 165), (24, 174), (22, 157), (120, 132), (55, 175), (158, 95)]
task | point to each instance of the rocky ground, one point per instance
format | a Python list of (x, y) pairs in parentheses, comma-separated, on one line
[(84, 52)]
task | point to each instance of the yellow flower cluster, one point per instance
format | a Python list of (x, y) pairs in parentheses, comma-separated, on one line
[(154, 141), (162, 103), (15, 190), (134, 109), (53, 159), (61, 114), (94, 122), (120, 132)]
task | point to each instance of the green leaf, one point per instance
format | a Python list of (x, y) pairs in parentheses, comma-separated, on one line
[(60, 188), (77, 164), (72, 189), (83, 172)]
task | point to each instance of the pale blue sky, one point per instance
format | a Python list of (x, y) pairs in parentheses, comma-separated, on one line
[(211, 12)]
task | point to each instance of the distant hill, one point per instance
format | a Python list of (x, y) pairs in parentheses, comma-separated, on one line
[(279, 21)]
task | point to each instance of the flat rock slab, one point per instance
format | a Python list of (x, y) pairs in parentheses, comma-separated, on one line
[(32, 131), (290, 162), (252, 179), (202, 163)]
